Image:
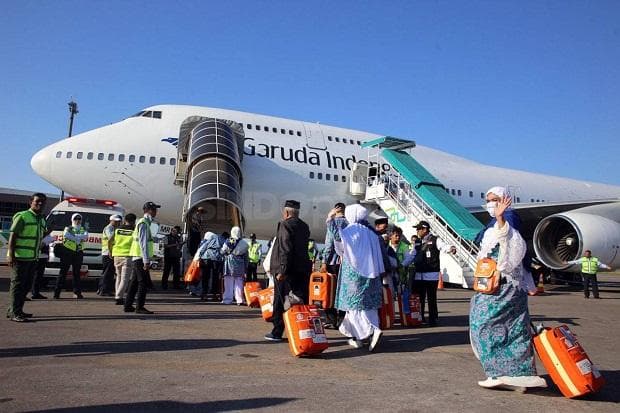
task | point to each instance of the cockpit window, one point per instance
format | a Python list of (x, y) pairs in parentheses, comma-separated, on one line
[(156, 114)]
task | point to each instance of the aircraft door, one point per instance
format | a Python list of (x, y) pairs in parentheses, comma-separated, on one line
[(314, 136)]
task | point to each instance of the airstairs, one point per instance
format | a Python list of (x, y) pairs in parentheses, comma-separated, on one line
[(409, 193)]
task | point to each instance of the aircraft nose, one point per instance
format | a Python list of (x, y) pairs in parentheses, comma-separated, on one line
[(41, 163)]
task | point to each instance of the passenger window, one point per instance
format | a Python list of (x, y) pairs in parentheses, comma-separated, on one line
[(329, 138), (147, 114), (290, 132), (351, 142), (274, 130), (359, 143), (266, 128), (518, 199), (312, 175), (173, 161), (79, 155), (447, 190), (538, 200), (257, 127), (337, 139), (132, 158), (458, 192), (58, 154), (336, 178), (344, 179), (142, 159), (110, 157), (319, 175), (90, 155), (100, 156), (121, 157), (298, 133), (453, 192), (162, 161), (69, 155), (249, 126), (531, 199), (471, 194), (481, 195), (152, 159), (344, 140), (283, 131), (327, 177), (157, 114)]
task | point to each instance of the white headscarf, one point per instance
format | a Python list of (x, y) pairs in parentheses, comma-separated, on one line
[(242, 247), (500, 191), (235, 232), (361, 245), (208, 235), (73, 219)]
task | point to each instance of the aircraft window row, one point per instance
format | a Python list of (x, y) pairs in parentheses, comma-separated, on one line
[(121, 157), (272, 129), (328, 177), (344, 140), (458, 192), (148, 114)]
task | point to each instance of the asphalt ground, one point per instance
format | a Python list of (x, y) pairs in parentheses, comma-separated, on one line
[(89, 356)]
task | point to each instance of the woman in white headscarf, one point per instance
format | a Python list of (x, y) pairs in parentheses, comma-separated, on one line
[(500, 323), (359, 283), (235, 252)]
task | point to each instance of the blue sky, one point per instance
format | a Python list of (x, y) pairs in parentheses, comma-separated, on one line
[(532, 85)]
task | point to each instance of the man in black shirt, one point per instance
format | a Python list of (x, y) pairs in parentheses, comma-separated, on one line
[(172, 255)]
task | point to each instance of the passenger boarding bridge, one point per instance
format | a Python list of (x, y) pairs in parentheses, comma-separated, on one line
[(408, 193)]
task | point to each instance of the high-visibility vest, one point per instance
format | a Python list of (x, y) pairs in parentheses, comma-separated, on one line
[(123, 239), (400, 256), (105, 239), (28, 239), (134, 250), (72, 245), (311, 251), (589, 265), (254, 252)]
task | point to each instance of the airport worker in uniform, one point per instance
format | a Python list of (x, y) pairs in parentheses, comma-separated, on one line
[(235, 253), (27, 229), (73, 239), (331, 261), (589, 269), (254, 254), (108, 270), (141, 254), (500, 323), (289, 264), (121, 253), (172, 259), (427, 269)]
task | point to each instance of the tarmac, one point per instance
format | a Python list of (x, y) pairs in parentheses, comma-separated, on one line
[(88, 356)]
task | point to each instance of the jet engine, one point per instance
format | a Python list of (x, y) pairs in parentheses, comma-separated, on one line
[(564, 237)]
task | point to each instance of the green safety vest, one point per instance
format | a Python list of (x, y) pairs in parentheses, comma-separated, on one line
[(72, 245), (254, 252), (134, 250), (29, 237), (311, 252), (589, 265), (123, 240), (403, 272)]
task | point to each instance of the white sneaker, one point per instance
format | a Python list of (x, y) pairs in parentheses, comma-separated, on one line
[(523, 381), (490, 383), (354, 343), (376, 336)]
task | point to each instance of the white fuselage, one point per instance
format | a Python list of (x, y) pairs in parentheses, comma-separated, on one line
[(276, 166)]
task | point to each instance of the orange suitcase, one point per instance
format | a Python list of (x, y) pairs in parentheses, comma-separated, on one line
[(304, 330), (409, 309), (322, 290), (386, 312), (566, 362), (251, 289), (265, 300)]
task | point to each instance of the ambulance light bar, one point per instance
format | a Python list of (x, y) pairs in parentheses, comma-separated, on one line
[(106, 202)]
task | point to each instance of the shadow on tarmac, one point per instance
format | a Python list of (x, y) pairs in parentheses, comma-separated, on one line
[(79, 349), (608, 394), (159, 315), (170, 406)]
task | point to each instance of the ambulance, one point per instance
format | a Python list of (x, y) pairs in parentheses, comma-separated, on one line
[(95, 216)]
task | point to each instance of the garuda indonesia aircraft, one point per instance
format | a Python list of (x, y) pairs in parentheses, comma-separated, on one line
[(242, 172)]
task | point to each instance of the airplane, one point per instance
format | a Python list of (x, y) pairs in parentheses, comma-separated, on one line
[(140, 158)]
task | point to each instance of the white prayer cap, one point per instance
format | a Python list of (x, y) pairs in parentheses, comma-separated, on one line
[(355, 213)]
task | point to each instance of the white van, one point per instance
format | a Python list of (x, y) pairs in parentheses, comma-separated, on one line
[(95, 216)]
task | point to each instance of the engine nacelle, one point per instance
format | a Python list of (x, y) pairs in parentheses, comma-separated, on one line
[(565, 237)]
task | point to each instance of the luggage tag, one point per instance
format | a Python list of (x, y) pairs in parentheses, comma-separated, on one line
[(570, 341)]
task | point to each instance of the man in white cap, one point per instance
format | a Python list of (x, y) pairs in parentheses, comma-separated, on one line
[(107, 242), (73, 254)]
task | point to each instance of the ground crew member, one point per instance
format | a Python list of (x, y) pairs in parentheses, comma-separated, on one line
[(313, 252), (255, 253), (73, 256), (27, 230), (121, 248), (107, 272), (141, 252), (589, 268)]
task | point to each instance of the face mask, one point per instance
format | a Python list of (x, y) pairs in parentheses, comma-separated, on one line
[(491, 208)]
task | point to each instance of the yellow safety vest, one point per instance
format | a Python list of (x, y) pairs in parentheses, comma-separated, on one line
[(589, 265), (134, 250), (254, 252), (72, 245), (123, 239), (105, 239), (29, 237)]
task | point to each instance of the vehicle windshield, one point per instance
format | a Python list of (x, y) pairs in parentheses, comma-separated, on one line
[(92, 222)]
